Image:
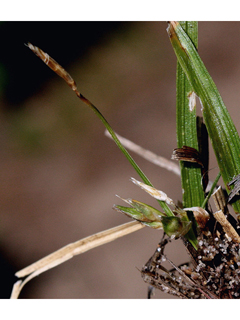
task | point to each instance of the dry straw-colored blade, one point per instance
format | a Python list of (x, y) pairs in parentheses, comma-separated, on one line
[(220, 200), (157, 194), (58, 257), (148, 155)]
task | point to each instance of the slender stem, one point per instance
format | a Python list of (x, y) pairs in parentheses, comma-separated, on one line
[(59, 70), (165, 207), (211, 190)]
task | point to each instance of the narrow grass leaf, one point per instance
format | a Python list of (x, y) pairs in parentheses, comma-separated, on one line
[(222, 132), (193, 194)]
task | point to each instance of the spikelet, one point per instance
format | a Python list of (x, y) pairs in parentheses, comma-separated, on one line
[(55, 66)]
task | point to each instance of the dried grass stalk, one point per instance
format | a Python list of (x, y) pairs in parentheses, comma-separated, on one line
[(148, 155), (227, 227), (58, 257), (220, 200)]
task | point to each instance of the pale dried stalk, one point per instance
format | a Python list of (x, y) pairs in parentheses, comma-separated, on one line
[(148, 155), (220, 200), (152, 157), (227, 227), (71, 250)]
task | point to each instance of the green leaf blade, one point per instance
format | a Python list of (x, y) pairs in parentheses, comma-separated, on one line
[(192, 190), (222, 132)]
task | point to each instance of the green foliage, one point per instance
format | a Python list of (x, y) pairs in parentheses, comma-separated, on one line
[(191, 177), (192, 77), (222, 132)]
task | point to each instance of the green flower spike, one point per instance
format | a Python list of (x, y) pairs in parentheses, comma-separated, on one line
[(174, 226), (141, 212)]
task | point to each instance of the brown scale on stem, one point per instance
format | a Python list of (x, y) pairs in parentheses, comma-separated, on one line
[(187, 154)]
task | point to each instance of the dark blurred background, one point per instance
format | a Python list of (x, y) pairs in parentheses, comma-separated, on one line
[(59, 173)]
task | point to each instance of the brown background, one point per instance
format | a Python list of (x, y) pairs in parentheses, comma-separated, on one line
[(59, 174)]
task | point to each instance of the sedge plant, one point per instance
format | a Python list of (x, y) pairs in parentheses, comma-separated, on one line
[(210, 235)]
